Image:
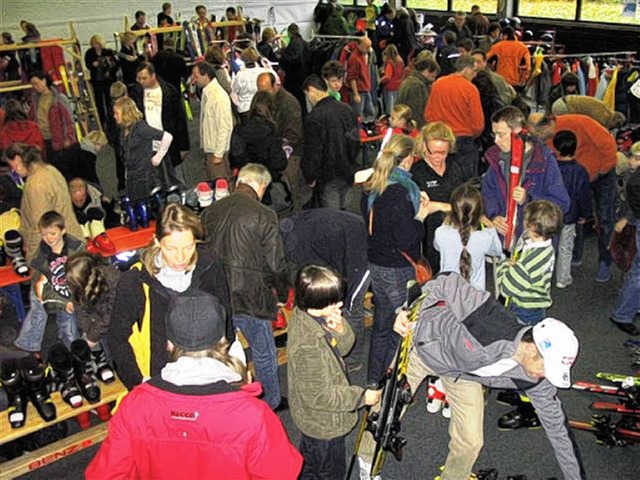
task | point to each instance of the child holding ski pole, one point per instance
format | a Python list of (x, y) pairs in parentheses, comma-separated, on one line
[(324, 406), (525, 278)]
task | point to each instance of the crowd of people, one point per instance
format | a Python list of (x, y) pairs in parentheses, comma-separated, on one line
[(288, 141)]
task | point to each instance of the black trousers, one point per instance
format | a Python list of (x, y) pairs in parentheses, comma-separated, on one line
[(323, 459)]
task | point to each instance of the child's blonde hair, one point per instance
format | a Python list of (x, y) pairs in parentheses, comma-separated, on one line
[(398, 148), (405, 113)]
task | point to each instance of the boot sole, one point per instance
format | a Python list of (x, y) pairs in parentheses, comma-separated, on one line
[(519, 428)]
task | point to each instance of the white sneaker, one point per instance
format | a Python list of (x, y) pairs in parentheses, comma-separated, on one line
[(446, 410), (365, 470), (563, 284)]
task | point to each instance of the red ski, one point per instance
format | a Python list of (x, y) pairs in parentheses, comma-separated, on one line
[(595, 388), (615, 407), (515, 180)]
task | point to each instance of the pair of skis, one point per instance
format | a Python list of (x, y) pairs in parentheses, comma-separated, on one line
[(80, 97), (384, 424), (622, 430)]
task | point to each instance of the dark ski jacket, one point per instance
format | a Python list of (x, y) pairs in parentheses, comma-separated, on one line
[(133, 305), (174, 119), (461, 329), (331, 142)]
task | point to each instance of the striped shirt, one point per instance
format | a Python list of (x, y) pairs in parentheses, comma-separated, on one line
[(528, 282)]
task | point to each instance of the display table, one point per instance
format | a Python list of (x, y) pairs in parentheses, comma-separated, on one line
[(62, 448)]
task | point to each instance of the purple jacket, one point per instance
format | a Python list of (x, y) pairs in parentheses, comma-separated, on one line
[(542, 181)]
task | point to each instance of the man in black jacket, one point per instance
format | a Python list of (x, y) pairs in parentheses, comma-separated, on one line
[(323, 236), (331, 144), (243, 234), (161, 105)]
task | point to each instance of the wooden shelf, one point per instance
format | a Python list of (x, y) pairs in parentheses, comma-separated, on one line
[(108, 393)]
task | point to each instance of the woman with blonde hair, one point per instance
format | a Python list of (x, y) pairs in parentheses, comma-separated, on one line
[(143, 149), (394, 210), (103, 67), (438, 178), (392, 77), (172, 264), (129, 58)]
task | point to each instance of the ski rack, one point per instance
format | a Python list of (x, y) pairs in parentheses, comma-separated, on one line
[(75, 67)]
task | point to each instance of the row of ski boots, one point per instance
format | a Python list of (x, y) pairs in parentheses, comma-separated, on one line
[(139, 213), (25, 380)]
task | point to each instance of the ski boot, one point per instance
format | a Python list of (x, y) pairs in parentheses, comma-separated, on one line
[(82, 363), (524, 416), (142, 212), (13, 249), (174, 194), (12, 384), (64, 377), (435, 395), (158, 201), (129, 214), (36, 383), (510, 398), (102, 368)]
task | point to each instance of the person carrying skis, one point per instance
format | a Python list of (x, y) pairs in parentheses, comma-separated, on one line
[(469, 339)]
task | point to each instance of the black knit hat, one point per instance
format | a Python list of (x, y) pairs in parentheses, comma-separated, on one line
[(196, 321)]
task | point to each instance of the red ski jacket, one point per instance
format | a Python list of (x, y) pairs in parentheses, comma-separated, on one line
[(21, 131), (215, 431)]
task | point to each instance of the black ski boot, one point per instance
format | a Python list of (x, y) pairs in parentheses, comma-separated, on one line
[(511, 398), (36, 383), (83, 366), (101, 366), (64, 378), (524, 416), (12, 384)]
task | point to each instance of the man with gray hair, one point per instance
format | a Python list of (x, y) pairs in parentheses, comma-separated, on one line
[(244, 236)]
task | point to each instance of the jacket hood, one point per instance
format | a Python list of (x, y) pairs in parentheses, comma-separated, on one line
[(198, 371)]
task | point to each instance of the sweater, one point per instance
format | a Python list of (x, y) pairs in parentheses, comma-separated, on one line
[(414, 92), (393, 228), (596, 147), (392, 75), (528, 281), (576, 181), (358, 70), (455, 101), (584, 105), (514, 61)]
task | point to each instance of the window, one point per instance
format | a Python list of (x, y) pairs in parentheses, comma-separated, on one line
[(611, 11), (557, 9), (427, 4), (486, 6)]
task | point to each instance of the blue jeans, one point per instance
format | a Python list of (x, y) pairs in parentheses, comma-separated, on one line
[(389, 287), (529, 316), (628, 302), (263, 353), (604, 190), (389, 101), (33, 326), (364, 109), (335, 194)]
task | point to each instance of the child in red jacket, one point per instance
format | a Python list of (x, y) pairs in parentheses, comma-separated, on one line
[(392, 77), (199, 418)]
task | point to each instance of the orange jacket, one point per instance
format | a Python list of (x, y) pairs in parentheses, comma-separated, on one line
[(455, 101), (514, 61), (596, 146)]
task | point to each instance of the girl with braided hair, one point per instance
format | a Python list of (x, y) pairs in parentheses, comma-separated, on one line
[(93, 283), (461, 240)]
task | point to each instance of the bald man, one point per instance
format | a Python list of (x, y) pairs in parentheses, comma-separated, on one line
[(359, 81)]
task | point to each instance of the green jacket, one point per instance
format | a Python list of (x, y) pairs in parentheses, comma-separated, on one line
[(323, 404), (414, 91)]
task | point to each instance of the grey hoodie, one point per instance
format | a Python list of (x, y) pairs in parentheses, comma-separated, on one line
[(461, 329)]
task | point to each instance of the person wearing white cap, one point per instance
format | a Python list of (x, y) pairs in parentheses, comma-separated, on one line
[(469, 340)]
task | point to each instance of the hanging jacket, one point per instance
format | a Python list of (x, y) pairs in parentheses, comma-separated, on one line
[(609, 97), (22, 131)]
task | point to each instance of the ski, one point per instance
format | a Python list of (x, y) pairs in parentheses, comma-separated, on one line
[(384, 424), (188, 41), (617, 378), (608, 432), (595, 388), (68, 92), (515, 180), (615, 407)]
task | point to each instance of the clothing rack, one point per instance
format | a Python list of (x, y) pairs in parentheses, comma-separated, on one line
[(592, 54)]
